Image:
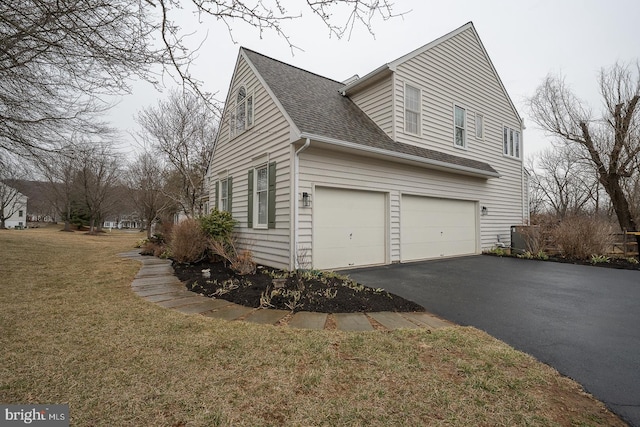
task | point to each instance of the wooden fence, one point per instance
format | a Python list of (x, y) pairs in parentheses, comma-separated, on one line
[(625, 244)]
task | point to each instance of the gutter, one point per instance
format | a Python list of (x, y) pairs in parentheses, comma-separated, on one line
[(296, 203), (436, 164)]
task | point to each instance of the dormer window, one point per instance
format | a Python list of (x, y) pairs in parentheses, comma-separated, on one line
[(243, 116)]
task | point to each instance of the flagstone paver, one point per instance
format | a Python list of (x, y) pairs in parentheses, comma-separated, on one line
[(352, 322), (230, 312), (392, 320), (266, 316), (178, 302), (308, 320), (202, 307), (427, 320)]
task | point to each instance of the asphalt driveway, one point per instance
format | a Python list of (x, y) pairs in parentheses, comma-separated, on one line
[(582, 320)]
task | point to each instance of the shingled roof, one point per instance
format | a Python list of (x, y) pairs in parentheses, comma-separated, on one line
[(317, 107)]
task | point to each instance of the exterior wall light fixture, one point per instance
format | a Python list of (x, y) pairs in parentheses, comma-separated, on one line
[(306, 200)]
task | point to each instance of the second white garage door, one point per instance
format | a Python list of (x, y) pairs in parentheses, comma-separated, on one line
[(349, 228), (433, 228)]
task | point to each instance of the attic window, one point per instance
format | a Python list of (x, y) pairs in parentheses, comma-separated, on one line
[(243, 116), (511, 142)]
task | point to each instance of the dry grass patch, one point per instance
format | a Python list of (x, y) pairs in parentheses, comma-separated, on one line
[(73, 332)]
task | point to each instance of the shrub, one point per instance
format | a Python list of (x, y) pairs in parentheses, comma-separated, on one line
[(188, 243), (148, 248), (580, 237), (240, 261), (243, 263), (218, 225)]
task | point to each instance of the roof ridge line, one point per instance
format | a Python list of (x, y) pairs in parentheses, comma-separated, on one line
[(290, 65)]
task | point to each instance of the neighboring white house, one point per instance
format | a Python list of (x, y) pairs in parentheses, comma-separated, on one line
[(14, 207), (419, 159)]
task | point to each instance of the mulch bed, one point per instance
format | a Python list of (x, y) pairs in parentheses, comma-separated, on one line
[(619, 263), (318, 291)]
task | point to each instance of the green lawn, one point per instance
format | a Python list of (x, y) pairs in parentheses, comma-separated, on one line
[(73, 332)]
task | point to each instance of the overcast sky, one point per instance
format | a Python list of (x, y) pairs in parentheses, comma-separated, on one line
[(525, 40)]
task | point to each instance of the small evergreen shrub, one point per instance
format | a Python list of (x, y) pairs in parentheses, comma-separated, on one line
[(218, 225)]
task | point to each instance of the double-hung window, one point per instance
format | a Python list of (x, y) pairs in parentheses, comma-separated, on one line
[(224, 188), (412, 109), (460, 126), (224, 195), (262, 192), (262, 199), (511, 142)]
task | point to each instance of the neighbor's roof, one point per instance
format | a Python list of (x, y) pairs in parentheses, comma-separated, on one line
[(316, 107)]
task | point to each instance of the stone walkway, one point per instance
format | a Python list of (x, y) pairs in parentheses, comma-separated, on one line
[(156, 282)]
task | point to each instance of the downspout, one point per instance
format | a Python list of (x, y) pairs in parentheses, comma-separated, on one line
[(296, 202)]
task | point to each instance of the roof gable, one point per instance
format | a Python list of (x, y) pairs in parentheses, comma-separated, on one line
[(391, 66), (316, 108), (314, 103)]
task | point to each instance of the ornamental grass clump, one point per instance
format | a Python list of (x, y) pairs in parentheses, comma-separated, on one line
[(188, 243), (580, 237)]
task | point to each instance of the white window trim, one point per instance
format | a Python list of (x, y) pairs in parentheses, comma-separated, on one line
[(418, 112), (233, 128), (511, 148), (223, 183), (480, 119), (465, 127), (256, 199)]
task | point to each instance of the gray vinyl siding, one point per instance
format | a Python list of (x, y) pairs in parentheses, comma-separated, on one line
[(375, 102), (336, 169), (269, 135)]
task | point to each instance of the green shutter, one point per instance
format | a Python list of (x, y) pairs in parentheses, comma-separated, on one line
[(271, 196), (250, 200), (229, 192), (217, 194)]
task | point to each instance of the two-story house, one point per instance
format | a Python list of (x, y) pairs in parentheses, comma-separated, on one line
[(419, 159), (13, 207)]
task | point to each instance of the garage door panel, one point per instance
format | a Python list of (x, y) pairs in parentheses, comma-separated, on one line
[(349, 228), (433, 228)]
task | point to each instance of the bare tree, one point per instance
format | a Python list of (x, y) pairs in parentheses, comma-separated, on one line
[(611, 141), (58, 57), (564, 182), (146, 181), (182, 131), (98, 175), (60, 168)]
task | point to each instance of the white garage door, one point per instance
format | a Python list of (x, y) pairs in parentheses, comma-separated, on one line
[(349, 228), (433, 228)]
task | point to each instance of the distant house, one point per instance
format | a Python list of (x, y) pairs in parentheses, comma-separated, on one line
[(419, 159), (123, 222), (14, 207)]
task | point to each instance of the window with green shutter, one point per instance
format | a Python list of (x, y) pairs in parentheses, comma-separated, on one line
[(224, 194), (262, 196)]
